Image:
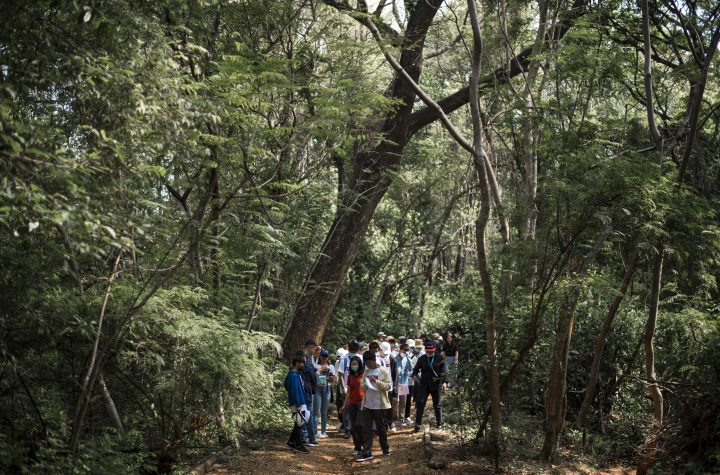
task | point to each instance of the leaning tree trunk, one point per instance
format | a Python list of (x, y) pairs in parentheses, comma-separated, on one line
[(110, 406), (600, 343), (556, 397), (323, 285), (372, 174)]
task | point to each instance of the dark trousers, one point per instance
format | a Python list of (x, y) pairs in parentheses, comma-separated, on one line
[(425, 390), (296, 436), (354, 415), (339, 401), (378, 417)]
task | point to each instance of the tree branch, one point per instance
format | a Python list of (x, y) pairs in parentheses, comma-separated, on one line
[(363, 18), (514, 66)]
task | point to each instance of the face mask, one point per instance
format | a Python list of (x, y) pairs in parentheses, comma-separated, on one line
[(354, 369)]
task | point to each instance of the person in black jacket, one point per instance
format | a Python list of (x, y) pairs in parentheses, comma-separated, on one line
[(309, 378), (429, 375)]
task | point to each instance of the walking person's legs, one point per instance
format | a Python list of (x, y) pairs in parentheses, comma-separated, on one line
[(317, 407), (311, 427), (349, 422), (437, 405), (422, 394), (451, 370), (367, 428), (357, 435), (379, 418), (325, 406), (393, 411), (409, 401), (400, 408), (339, 402)]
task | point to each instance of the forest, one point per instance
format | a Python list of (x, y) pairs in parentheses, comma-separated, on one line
[(190, 190)]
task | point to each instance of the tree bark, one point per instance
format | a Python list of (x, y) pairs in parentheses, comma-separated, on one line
[(372, 174), (527, 233), (698, 91)]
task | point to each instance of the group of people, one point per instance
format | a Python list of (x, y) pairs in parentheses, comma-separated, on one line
[(373, 385)]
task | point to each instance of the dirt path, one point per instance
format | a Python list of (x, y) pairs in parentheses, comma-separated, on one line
[(334, 456)]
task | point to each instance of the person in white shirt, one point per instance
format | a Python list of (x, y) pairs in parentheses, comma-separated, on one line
[(377, 384)]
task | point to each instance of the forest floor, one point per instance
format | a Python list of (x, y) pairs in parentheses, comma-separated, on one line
[(334, 456)]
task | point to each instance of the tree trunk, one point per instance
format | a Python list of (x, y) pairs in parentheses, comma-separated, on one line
[(262, 268), (648, 457), (486, 200), (655, 393), (110, 405), (323, 284), (93, 368), (372, 174), (600, 343), (556, 398)]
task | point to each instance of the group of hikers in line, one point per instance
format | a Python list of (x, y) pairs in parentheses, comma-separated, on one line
[(373, 386)]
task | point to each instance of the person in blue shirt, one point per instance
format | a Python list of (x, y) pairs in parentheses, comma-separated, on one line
[(296, 400), (402, 382)]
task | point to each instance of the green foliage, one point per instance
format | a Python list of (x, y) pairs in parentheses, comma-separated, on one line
[(197, 364), (204, 146)]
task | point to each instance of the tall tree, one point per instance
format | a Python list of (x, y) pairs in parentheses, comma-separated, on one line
[(374, 169)]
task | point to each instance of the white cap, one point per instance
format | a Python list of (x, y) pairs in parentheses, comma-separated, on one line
[(341, 352), (410, 343), (385, 347)]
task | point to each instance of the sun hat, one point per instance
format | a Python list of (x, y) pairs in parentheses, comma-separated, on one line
[(418, 343), (385, 347), (436, 336), (410, 343)]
